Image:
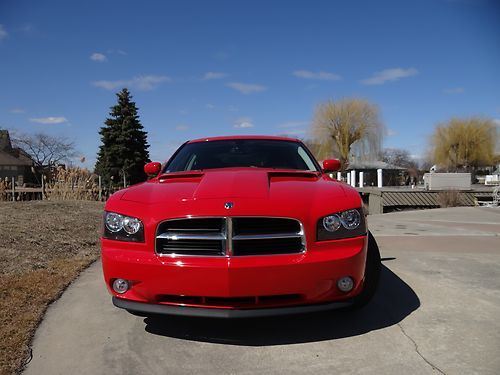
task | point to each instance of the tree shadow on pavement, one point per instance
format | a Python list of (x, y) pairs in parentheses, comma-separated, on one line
[(394, 301)]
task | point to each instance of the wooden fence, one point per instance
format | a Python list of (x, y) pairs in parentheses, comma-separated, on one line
[(387, 199), (59, 190)]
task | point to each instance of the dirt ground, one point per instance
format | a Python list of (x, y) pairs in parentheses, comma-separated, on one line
[(43, 247)]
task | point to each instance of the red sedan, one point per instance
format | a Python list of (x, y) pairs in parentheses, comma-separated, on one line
[(240, 226)]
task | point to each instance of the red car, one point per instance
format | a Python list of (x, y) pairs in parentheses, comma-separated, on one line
[(240, 226)]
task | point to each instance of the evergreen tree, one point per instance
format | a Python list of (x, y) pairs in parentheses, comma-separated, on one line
[(124, 148)]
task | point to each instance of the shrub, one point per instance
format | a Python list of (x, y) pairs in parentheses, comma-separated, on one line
[(72, 183), (449, 198)]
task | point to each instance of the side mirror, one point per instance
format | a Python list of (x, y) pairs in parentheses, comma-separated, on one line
[(152, 168), (331, 165)]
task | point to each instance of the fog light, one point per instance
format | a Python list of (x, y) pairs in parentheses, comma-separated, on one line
[(120, 286), (345, 284)]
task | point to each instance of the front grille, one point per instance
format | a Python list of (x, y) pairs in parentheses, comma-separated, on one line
[(264, 225), (267, 246), (191, 237), (228, 236)]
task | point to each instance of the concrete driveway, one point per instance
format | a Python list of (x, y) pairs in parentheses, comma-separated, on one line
[(437, 311)]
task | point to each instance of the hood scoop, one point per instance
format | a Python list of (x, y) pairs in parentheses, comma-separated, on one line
[(294, 174), (167, 177)]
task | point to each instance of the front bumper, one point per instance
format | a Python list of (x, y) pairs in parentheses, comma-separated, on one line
[(200, 312), (310, 277)]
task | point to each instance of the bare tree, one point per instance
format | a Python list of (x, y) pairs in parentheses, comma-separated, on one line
[(347, 128), (464, 143), (46, 150), (399, 157)]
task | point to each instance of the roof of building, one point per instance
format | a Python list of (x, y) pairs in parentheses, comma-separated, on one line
[(7, 159), (376, 164), (10, 155), (5, 144)]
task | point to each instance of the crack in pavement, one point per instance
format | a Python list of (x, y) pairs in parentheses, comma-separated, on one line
[(434, 367), (415, 345)]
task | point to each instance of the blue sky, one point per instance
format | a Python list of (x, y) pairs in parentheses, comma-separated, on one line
[(202, 68)]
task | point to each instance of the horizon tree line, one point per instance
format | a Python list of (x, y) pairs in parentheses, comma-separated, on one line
[(349, 129)]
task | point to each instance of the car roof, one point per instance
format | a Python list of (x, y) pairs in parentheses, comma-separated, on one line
[(236, 137)]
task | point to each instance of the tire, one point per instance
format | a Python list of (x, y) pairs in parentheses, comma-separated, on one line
[(138, 313), (372, 274)]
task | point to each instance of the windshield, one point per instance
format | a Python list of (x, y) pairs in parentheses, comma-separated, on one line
[(258, 153)]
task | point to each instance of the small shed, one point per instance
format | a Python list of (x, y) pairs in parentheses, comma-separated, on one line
[(392, 174), (447, 181)]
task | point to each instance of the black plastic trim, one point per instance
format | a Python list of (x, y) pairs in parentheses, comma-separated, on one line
[(150, 308)]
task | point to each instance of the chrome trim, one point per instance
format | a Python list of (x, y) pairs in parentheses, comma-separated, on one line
[(265, 236), (303, 235), (180, 236), (227, 238)]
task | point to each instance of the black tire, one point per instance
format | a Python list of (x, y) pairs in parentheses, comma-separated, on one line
[(372, 274), (138, 313)]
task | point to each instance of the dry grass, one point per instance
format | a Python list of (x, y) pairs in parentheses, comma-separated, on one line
[(4, 186), (449, 198), (72, 183), (43, 247)]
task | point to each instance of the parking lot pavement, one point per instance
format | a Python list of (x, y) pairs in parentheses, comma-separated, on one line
[(436, 311)]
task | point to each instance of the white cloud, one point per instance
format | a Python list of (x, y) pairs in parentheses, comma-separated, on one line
[(117, 51), (391, 133), (454, 90), (388, 75), (209, 106), (243, 123), (246, 88), (3, 33), (232, 108), (324, 76), (213, 75), (49, 120), (182, 128), (96, 56), (17, 110), (144, 83), (292, 124)]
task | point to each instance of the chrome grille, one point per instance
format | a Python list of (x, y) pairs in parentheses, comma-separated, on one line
[(230, 236), (204, 236)]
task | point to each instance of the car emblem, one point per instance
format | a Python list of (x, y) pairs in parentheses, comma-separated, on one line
[(228, 205)]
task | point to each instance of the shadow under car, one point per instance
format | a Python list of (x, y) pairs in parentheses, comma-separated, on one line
[(393, 301)]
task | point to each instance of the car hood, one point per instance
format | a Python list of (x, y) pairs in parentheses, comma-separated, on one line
[(232, 183), (253, 192)]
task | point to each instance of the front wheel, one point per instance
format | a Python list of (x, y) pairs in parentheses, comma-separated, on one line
[(372, 274), (138, 313)]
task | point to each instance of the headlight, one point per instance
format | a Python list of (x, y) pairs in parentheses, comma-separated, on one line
[(131, 225), (113, 222), (349, 223), (350, 219), (123, 228), (331, 223)]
